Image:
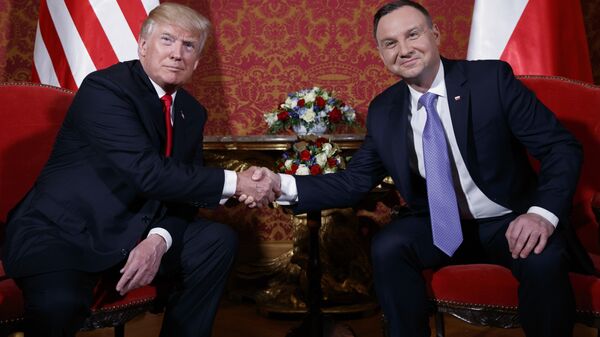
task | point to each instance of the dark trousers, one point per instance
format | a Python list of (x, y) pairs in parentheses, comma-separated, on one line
[(57, 303), (403, 248)]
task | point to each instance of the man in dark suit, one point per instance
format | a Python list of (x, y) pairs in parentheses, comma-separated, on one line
[(455, 138), (121, 188)]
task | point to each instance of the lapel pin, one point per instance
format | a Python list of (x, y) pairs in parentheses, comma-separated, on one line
[(182, 115), (457, 98)]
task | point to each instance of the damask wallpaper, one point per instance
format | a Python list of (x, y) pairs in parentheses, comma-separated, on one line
[(262, 49)]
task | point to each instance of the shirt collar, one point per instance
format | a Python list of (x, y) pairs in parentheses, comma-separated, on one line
[(438, 86), (160, 91)]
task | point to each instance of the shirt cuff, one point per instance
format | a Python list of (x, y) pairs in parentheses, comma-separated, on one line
[(544, 214), (228, 186), (163, 234), (289, 191)]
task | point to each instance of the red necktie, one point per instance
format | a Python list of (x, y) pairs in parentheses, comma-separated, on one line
[(167, 100)]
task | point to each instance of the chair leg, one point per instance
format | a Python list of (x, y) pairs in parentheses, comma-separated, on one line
[(385, 327), (119, 330), (439, 324)]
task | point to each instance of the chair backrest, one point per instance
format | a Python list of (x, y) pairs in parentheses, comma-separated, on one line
[(31, 116), (577, 106)]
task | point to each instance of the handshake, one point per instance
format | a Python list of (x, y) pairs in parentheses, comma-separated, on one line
[(257, 186)]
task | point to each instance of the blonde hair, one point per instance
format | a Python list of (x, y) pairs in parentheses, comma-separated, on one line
[(178, 15)]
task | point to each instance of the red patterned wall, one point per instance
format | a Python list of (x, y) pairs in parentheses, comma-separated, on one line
[(263, 49)]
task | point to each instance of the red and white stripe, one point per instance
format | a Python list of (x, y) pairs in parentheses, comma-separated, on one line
[(76, 37), (537, 37)]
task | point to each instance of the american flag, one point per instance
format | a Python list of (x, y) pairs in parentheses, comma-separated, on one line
[(76, 37)]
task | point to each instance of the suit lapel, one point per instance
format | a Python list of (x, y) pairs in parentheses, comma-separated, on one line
[(398, 129), (180, 127), (458, 102), (154, 117)]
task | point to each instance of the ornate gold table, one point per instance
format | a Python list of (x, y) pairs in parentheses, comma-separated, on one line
[(325, 268)]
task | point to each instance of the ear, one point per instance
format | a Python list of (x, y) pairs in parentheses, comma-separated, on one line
[(142, 47), (436, 33)]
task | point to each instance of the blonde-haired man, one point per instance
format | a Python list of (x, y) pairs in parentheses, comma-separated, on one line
[(120, 191)]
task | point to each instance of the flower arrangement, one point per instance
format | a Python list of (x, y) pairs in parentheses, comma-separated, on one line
[(311, 156), (315, 110)]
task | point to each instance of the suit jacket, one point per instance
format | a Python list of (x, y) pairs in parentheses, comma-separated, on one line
[(497, 121), (106, 182)]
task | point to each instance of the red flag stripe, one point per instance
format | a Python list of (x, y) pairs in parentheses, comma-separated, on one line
[(134, 13), (540, 46), (55, 49), (92, 34)]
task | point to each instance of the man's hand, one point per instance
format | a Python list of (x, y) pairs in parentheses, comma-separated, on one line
[(142, 264), (526, 233), (257, 186)]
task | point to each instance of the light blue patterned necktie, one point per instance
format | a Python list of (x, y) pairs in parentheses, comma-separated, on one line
[(443, 208)]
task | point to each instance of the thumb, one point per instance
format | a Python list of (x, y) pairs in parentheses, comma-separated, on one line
[(258, 174)]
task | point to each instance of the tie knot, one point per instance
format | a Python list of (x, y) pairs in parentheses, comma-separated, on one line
[(428, 100), (167, 100)]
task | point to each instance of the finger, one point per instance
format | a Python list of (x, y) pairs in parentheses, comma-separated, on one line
[(541, 244), (531, 243), (520, 244), (511, 236), (249, 200), (242, 197)]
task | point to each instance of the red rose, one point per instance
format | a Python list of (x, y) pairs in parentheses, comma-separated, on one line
[(315, 169), (305, 155), (294, 168), (320, 102), (335, 115), (332, 162), (300, 102), (320, 141), (283, 115)]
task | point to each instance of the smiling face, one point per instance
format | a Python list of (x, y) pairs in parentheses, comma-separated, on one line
[(169, 54), (408, 46)]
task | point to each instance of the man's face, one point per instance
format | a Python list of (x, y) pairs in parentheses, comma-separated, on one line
[(169, 55), (408, 46)]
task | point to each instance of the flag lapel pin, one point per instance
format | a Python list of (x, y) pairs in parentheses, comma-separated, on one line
[(457, 98)]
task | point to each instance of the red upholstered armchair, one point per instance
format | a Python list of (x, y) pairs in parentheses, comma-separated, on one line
[(487, 294), (31, 116)]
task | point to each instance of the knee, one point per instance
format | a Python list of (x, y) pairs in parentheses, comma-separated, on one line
[(226, 239), (387, 247), (58, 308), (548, 264)]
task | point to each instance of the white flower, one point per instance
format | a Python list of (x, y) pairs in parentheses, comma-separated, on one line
[(309, 115), (329, 170), (328, 149), (310, 96), (288, 164), (271, 118), (321, 159), (302, 170)]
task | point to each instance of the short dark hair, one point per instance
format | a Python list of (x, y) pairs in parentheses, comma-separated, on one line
[(392, 6)]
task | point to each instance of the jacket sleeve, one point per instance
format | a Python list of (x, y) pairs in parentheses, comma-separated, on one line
[(545, 138), (112, 126)]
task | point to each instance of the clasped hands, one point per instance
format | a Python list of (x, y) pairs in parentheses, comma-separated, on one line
[(257, 186)]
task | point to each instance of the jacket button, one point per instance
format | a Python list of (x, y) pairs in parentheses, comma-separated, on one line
[(124, 252), (145, 219)]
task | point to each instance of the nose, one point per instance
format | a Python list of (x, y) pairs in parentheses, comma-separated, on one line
[(176, 50), (404, 49)]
